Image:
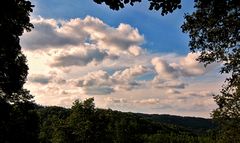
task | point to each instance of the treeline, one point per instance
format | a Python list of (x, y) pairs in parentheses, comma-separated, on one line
[(83, 123)]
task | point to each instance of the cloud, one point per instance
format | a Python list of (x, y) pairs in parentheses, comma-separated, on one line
[(41, 79), (116, 101), (52, 34), (190, 66), (148, 101), (163, 69), (80, 57), (173, 91), (48, 34), (98, 90), (130, 73), (172, 84), (187, 66), (100, 82), (170, 74), (95, 78), (45, 79)]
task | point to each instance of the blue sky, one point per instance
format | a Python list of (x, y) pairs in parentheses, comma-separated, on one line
[(162, 33), (130, 60)]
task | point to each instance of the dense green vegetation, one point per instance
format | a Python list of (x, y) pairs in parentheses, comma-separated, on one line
[(85, 123)]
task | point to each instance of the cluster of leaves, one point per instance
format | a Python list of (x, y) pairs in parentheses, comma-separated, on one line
[(214, 32), (18, 123), (228, 115), (13, 68), (166, 6), (84, 123), (18, 120)]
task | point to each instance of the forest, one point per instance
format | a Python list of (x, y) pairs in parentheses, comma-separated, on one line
[(83, 123)]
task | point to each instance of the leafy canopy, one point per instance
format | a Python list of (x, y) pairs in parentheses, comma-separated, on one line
[(166, 6), (13, 68), (214, 32)]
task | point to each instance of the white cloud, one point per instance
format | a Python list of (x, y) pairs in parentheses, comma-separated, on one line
[(50, 33), (187, 66), (80, 57), (100, 82), (41, 79), (190, 67), (171, 75), (129, 73), (164, 70)]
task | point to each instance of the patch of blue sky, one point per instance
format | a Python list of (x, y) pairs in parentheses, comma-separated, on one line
[(162, 33), (147, 76)]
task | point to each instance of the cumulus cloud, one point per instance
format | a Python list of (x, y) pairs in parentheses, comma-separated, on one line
[(41, 79), (170, 74), (101, 82), (47, 34), (187, 66), (95, 78), (80, 57), (46, 79), (129, 73), (163, 69), (50, 33), (190, 66)]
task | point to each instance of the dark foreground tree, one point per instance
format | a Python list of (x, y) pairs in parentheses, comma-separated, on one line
[(228, 115), (214, 30), (18, 121), (13, 68)]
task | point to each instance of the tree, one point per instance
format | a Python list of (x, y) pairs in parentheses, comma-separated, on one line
[(81, 121), (214, 32), (13, 68), (228, 115), (19, 122)]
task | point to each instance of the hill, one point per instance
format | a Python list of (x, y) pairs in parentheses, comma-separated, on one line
[(197, 125), (85, 123)]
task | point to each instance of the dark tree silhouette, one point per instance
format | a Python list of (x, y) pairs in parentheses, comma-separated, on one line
[(13, 68), (18, 120), (165, 6), (214, 32)]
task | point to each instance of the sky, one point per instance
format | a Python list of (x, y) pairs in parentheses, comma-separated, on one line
[(132, 60)]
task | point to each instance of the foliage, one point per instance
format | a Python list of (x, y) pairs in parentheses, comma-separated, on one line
[(194, 124), (84, 123), (18, 120), (18, 123), (228, 115), (13, 68), (214, 31), (166, 6)]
